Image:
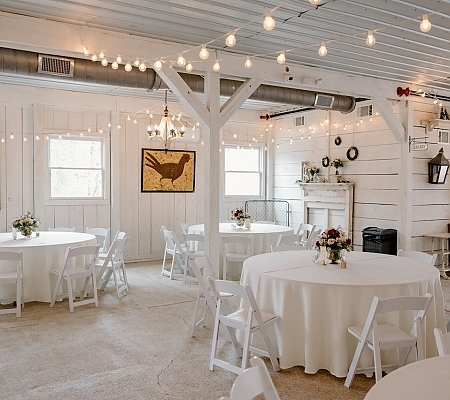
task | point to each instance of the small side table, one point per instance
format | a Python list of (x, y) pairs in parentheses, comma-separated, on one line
[(443, 250)]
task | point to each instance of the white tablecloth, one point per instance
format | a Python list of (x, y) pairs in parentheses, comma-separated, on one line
[(263, 235), (317, 303), (40, 256), (427, 379)]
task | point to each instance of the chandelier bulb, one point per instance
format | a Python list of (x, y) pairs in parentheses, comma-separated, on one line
[(189, 67), (216, 66), (94, 57), (157, 65), (425, 25), (269, 22), (248, 62), (136, 62), (128, 67), (230, 40), (142, 67), (114, 65), (101, 55), (281, 59), (323, 50), (204, 53), (370, 40), (119, 59), (104, 62), (181, 61)]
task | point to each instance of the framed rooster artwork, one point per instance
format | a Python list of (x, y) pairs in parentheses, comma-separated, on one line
[(168, 171)]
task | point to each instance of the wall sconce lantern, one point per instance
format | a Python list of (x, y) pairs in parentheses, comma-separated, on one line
[(437, 168)]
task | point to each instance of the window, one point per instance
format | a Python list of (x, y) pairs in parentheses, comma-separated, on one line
[(243, 171), (77, 168)]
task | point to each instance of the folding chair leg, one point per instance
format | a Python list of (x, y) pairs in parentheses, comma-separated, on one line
[(214, 342), (354, 364), (272, 355), (196, 323), (377, 361), (19, 297), (70, 292), (55, 290)]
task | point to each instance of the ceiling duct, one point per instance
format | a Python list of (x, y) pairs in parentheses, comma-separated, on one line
[(26, 63)]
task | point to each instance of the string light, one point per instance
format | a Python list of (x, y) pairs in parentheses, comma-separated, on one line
[(230, 40), (3, 140), (119, 59), (128, 67), (136, 62), (37, 137), (315, 2), (269, 22), (85, 51), (81, 134), (370, 40), (425, 25), (142, 67), (104, 62), (158, 65), (101, 55), (181, 61), (216, 66), (248, 63), (94, 57), (189, 67), (323, 50), (204, 53), (24, 138), (281, 59), (114, 65)]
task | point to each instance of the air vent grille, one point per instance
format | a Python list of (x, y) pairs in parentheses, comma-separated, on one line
[(323, 101), (299, 121), (443, 136), (55, 65), (365, 110)]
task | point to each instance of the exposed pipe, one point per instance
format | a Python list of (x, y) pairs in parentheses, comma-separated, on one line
[(25, 63)]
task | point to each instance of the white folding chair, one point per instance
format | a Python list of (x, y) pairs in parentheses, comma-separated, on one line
[(62, 229), (114, 264), (442, 342), (292, 239), (305, 231), (203, 269), (253, 382), (177, 251), (185, 228), (79, 263), (191, 250), (102, 235), (385, 336), (418, 255), (311, 239), (12, 275), (249, 320), (231, 245)]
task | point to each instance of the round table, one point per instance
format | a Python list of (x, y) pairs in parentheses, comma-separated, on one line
[(41, 255), (317, 303), (263, 235), (426, 379)]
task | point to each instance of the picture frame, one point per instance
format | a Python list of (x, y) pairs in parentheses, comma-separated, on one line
[(167, 171)]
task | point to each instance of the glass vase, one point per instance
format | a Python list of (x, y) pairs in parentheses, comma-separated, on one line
[(240, 223), (334, 256)]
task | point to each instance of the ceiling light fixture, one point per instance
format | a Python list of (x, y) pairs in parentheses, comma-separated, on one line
[(165, 131), (370, 40), (248, 62), (204, 53), (269, 22), (281, 59), (230, 40), (425, 25), (323, 50)]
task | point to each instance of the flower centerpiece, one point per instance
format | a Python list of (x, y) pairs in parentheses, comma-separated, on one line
[(26, 224), (334, 240), (239, 215), (337, 163)]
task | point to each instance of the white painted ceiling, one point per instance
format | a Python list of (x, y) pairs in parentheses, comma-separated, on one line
[(402, 52)]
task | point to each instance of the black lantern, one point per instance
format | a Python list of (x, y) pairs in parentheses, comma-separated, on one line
[(437, 168)]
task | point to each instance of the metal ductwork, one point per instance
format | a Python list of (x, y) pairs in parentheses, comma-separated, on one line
[(26, 63)]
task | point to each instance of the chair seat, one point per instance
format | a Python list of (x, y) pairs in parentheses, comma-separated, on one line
[(239, 318), (195, 254), (75, 272), (8, 277), (389, 336), (236, 257)]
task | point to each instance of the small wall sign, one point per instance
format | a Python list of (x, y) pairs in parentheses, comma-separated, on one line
[(419, 146)]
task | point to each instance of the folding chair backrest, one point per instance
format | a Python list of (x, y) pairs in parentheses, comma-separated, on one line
[(305, 230), (253, 382), (292, 239), (81, 251), (203, 270), (246, 241), (192, 239), (442, 342), (418, 255), (122, 239), (185, 228), (221, 286), (11, 256), (102, 235), (168, 237), (311, 239)]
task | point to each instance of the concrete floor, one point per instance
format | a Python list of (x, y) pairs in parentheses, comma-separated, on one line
[(138, 347)]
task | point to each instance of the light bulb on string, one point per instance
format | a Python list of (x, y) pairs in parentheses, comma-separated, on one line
[(216, 66), (101, 55), (104, 62), (281, 59), (128, 118), (370, 40), (100, 131), (315, 2), (269, 22), (323, 50), (142, 67), (235, 135), (230, 40), (118, 126), (24, 138), (248, 62), (135, 121), (425, 25), (128, 67), (189, 67), (181, 61), (114, 65), (47, 137), (204, 53), (37, 137), (94, 57), (3, 140), (109, 124), (136, 62), (81, 134), (119, 59), (158, 65), (85, 51)]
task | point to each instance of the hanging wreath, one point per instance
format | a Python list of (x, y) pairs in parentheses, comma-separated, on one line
[(352, 153), (337, 141), (325, 162)]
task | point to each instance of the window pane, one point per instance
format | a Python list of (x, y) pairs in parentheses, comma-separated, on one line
[(241, 160), (76, 183), (75, 153), (241, 184)]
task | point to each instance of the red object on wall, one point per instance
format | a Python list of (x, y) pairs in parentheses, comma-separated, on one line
[(401, 92)]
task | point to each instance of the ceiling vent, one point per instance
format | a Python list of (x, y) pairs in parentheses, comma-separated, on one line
[(55, 65), (299, 121), (323, 101)]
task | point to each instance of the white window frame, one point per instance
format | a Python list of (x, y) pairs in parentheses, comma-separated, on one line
[(262, 173), (105, 199)]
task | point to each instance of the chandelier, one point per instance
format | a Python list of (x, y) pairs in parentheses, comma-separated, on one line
[(166, 130)]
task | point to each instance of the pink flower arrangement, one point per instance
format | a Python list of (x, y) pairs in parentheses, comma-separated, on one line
[(334, 239)]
